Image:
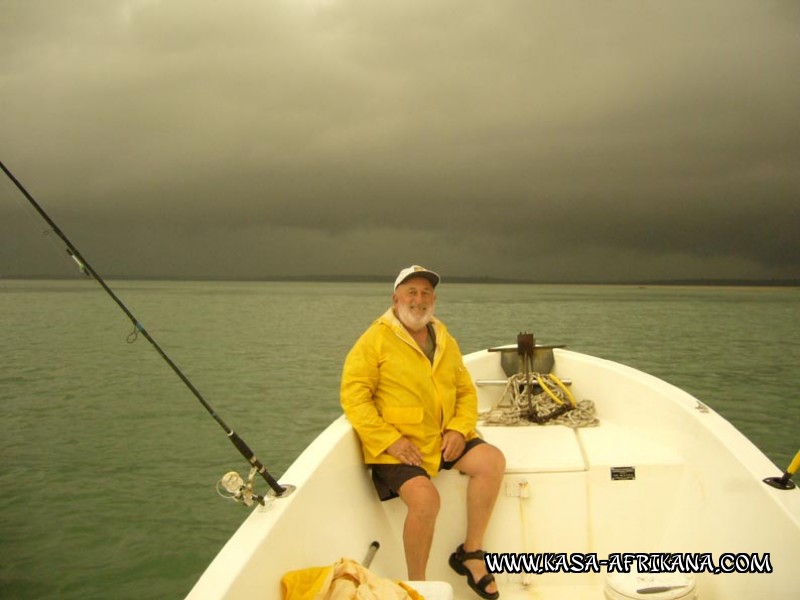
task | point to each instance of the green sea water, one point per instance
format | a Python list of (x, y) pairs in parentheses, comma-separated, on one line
[(109, 464)]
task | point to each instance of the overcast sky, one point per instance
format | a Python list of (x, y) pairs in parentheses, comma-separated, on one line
[(549, 140)]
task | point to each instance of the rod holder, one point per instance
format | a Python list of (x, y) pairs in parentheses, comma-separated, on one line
[(784, 482)]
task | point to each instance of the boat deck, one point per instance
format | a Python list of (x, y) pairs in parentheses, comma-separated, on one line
[(534, 592), (659, 474), (513, 591)]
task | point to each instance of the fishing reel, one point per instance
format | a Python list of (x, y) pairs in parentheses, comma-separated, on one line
[(232, 487)]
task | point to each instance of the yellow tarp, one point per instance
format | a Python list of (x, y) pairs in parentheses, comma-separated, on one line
[(344, 580)]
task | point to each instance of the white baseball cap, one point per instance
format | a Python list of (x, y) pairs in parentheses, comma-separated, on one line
[(417, 271)]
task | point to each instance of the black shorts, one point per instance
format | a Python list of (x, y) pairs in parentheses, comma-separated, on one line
[(389, 478)]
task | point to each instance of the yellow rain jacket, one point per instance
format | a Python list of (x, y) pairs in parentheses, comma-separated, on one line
[(344, 580), (390, 390)]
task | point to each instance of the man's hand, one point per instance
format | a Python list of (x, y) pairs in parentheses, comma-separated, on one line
[(453, 444), (406, 452)]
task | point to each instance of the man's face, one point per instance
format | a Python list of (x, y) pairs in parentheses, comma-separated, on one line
[(414, 302)]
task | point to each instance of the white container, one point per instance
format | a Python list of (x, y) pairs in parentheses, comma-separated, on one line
[(433, 590), (649, 586)]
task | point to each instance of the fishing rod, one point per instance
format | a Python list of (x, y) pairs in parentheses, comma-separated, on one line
[(86, 268)]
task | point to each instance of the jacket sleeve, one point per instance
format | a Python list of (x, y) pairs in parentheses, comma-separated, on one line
[(359, 381), (465, 418)]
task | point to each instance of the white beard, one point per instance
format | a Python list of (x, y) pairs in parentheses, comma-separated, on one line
[(413, 318)]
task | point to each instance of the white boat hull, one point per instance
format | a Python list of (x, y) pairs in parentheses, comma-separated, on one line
[(697, 489)]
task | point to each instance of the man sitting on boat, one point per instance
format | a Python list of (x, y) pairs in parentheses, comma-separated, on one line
[(412, 402)]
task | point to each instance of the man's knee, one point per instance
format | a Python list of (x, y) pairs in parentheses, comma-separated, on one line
[(421, 497), (483, 460), (496, 461)]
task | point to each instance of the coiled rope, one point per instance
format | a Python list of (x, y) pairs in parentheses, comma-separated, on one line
[(539, 399)]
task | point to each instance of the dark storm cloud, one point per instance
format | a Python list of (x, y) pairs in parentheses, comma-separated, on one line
[(562, 140)]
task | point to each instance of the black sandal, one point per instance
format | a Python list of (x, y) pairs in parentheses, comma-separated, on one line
[(457, 559)]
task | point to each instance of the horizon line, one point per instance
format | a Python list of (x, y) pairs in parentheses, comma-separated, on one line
[(699, 281)]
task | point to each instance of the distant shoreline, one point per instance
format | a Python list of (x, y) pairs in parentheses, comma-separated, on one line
[(449, 279)]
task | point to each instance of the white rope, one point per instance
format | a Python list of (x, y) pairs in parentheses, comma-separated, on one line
[(514, 409)]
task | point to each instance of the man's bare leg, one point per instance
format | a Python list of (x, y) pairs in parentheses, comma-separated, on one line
[(485, 466), (422, 500)]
